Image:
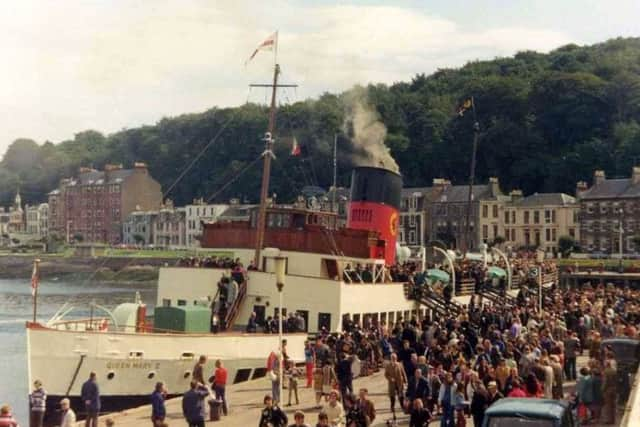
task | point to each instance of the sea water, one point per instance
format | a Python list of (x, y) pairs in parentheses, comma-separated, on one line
[(16, 308)]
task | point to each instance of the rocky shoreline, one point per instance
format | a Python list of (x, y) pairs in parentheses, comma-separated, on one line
[(102, 269)]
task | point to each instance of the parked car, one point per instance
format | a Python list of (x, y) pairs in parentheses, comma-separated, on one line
[(526, 412)]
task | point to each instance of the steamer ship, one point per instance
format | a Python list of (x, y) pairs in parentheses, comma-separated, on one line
[(331, 275)]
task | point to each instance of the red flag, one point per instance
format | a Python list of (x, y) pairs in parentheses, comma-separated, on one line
[(270, 43), (35, 279), (295, 148)]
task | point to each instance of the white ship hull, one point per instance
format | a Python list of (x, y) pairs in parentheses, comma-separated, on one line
[(129, 365)]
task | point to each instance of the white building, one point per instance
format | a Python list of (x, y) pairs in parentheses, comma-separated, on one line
[(170, 226), (37, 220), (196, 213), (137, 229)]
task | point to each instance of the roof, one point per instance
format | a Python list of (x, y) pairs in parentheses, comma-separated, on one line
[(610, 188), (545, 199), (460, 193), (527, 407), (409, 191), (92, 177)]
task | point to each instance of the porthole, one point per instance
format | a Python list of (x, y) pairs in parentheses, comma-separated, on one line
[(111, 375), (187, 374), (151, 375)]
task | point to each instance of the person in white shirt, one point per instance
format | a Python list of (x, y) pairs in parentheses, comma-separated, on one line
[(68, 416)]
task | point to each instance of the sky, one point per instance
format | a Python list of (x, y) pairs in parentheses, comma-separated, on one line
[(108, 65)]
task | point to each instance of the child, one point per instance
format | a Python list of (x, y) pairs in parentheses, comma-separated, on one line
[(293, 373), (459, 405)]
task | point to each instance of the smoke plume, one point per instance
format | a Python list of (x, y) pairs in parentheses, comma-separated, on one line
[(362, 124)]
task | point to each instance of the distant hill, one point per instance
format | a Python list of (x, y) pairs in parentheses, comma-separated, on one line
[(547, 120)]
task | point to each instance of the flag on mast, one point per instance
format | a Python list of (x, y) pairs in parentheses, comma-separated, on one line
[(467, 104), (35, 279), (295, 147), (270, 43)]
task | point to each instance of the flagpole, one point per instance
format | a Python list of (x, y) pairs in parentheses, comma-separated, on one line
[(36, 273), (472, 175)]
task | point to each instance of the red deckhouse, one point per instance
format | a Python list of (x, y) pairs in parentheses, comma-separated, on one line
[(370, 233)]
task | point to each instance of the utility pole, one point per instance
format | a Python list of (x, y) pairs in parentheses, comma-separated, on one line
[(267, 155), (472, 175)]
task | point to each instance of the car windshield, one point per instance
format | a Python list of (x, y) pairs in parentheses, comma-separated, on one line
[(519, 422)]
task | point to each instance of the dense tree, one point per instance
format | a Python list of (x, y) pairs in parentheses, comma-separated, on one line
[(546, 121)]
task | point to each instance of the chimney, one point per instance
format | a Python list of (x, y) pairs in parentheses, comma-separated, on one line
[(598, 177), (494, 185), (635, 175), (581, 187), (516, 195), (140, 167), (439, 185)]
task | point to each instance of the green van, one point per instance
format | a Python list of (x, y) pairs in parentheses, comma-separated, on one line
[(528, 412)]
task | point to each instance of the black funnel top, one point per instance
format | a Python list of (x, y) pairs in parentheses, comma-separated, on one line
[(377, 185)]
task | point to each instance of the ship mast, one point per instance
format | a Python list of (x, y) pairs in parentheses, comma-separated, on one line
[(267, 155), (266, 169)]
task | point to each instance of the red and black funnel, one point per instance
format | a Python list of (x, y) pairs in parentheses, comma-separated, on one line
[(375, 205)]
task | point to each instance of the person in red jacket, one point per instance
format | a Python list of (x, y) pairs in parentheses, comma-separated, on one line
[(6, 419), (517, 390), (220, 383)]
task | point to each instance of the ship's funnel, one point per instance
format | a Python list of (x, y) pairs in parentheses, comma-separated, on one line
[(375, 202)]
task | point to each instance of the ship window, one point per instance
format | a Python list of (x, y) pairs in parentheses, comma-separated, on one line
[(151, 375), (259, 373), (182, 302), (324, 320), (187, 355), (242, 375), (111, 375), (166, 302), (305, 316), (136, 354)]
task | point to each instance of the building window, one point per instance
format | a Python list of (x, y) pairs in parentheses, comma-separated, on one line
[(495, 230), (485, 231), (412, 237), (495, 211), (413, 202), (506, 217), (485, 211), (401, 236), (412, 220), (548, 234), (572, 233), (536, 217), (553, 235), (547, 216), (526, 217), (513, 234)]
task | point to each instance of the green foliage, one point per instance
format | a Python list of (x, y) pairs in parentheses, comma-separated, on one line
[(566, 245), (546, 121)]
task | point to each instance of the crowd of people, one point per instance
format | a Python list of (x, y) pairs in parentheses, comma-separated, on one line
[(456, 367)]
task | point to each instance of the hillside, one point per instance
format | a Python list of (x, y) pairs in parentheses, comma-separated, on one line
[(547, 120)]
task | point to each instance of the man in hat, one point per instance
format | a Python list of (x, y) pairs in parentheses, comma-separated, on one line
[(38, 403)]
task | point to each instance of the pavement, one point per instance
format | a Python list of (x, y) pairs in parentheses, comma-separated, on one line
[(245, 403)]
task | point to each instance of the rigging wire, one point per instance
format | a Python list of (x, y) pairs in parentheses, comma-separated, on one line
[(234, 178)]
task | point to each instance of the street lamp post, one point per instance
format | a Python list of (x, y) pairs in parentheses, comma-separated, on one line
[(453, 270), (280, 270), (506, 260)]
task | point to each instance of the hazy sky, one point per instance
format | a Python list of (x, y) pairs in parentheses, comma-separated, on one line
[(108, 65)]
